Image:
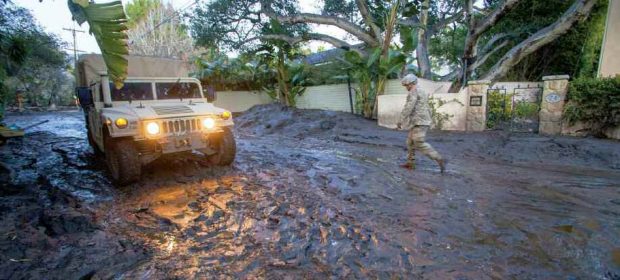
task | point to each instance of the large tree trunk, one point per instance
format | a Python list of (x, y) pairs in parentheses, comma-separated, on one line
[(475, 30), (469, 51), (424, 63), (578, 11), (283, 89)]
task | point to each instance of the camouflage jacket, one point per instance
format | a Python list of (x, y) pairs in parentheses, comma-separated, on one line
[(416, 111)]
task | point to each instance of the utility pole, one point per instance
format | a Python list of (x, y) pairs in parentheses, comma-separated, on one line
[(75, 58), (75, 50)]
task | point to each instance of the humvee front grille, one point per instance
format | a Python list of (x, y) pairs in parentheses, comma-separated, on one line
[(171, 110), (180, 126)]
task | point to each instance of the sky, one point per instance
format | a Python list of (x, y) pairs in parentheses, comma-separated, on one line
[(54, 15)]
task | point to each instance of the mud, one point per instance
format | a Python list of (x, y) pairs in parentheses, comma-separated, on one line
[(313, 194)]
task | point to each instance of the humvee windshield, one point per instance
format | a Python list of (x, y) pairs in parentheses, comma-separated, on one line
[(132, 91), (176, 90)]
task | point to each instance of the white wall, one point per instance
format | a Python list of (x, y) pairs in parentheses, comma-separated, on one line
[(327, 97), (391, 104), (239, 101), (394, 86), (336, 97), (610, 60), (390, 107)]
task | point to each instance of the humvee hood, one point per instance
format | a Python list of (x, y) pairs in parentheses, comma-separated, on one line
[(166, 110)]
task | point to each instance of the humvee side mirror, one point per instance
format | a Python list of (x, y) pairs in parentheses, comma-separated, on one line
[(85, 96), (210, 94)]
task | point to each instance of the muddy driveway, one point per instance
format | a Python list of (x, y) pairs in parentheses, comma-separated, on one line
[(313, 194)]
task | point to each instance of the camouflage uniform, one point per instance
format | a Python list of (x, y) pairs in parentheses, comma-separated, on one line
[(416, 117)]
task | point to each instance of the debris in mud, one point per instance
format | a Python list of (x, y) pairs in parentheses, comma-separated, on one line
[(312, 194)]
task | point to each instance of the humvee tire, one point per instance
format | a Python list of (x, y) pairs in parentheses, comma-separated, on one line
[(89, 136), (225, 148), (91, 142), (123, 161)]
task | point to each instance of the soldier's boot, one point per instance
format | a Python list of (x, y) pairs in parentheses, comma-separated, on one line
[(408, 165), (410, 159), (442, 164)]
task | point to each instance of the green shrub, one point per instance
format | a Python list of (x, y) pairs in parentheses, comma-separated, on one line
[(596, 102), (498, 107), (526, 109)]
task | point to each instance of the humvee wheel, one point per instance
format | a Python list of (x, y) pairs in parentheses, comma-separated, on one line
[(225, 148), (93, 145), (123, 161), (91, 140)]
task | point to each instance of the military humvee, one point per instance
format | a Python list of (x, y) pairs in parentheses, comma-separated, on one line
[(158, 111)]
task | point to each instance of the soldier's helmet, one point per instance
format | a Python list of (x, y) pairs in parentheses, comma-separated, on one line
[(409, 79)]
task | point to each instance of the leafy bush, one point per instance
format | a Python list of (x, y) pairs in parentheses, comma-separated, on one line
[(371, 73), (498, 108), (526, 109), (595, 102)]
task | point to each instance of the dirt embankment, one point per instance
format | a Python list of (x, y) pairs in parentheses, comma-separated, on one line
[(274, 119)]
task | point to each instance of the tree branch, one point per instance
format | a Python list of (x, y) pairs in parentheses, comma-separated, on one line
[(488, 54), (578, 11), (487, 47), (363, 7), (321, 19), (494, 17), (450, 76), (445, 21), (310, 37)]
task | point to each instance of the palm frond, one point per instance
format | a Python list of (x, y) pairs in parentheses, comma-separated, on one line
[(108, 24)]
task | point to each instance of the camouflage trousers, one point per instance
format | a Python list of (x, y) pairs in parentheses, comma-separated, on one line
[(416, 141)]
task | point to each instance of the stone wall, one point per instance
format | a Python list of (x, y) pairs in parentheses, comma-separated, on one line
[(476, 115), (552, 105)]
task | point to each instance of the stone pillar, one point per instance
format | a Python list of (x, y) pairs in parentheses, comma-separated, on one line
[(476, 119), (552, 104)]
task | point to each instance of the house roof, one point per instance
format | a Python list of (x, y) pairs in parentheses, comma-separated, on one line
[(328, 55)]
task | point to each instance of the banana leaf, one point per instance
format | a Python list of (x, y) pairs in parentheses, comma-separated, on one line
[(108, 24)]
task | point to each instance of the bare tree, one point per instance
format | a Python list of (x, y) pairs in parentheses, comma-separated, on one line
[(160, 33)]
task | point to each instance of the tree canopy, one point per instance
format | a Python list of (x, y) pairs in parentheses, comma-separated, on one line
[(25, 51), (448, 39)]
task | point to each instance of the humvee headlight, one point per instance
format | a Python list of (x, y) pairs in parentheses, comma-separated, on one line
[(226, 115), (152, 128), (208, 123), (121, 122)]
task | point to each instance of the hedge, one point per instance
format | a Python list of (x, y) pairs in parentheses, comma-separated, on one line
[(595, 102)]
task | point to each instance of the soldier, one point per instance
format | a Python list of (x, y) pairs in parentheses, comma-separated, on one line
[(20, 100), (416, 117)]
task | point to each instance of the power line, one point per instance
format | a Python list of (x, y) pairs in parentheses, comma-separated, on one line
[(75, 50)]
